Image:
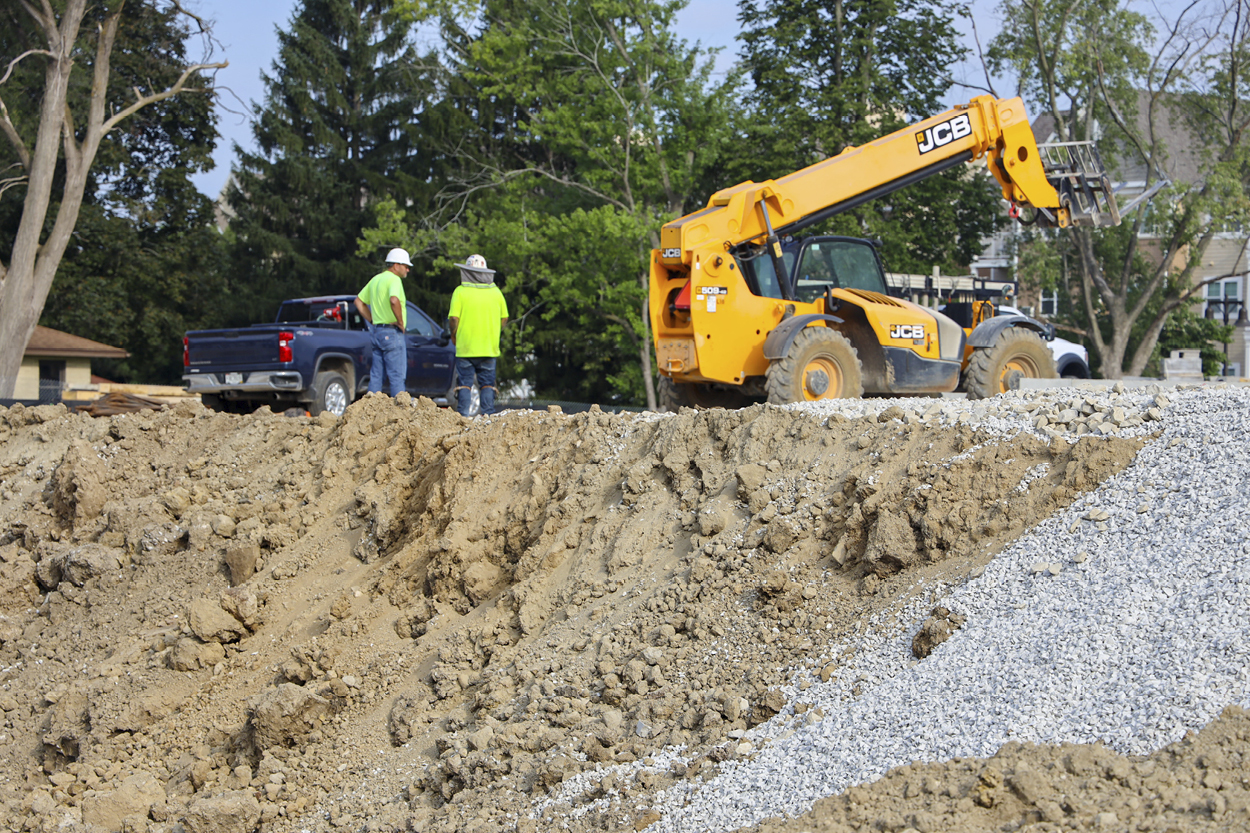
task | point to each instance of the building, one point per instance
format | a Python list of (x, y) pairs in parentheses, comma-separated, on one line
[(55, 361), (1227, 257)]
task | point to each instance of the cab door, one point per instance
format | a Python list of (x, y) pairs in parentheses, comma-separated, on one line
[(431, 356)]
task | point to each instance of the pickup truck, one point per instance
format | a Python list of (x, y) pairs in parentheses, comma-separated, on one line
[(316, 356)]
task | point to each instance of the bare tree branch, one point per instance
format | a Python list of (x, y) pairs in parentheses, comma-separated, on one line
[(13, 63), (15, 138)]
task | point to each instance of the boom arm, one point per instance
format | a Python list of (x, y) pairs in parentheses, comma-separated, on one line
[(1065, 183)]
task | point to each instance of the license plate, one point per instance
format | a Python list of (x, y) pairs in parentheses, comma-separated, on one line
[(234, 378)]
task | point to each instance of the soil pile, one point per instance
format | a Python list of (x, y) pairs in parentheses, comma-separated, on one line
[(403, 619)]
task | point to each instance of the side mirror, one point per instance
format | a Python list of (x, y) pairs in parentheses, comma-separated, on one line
[(444, 337)]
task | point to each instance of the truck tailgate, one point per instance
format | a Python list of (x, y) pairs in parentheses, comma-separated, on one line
[(217, 351)]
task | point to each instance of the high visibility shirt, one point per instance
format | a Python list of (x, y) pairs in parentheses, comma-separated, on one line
[(378, 293), (481, 310)]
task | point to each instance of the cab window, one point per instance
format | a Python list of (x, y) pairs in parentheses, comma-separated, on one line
[(840, 264), (760, 276)]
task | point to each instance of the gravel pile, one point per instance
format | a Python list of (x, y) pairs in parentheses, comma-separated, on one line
[(1125, 619)]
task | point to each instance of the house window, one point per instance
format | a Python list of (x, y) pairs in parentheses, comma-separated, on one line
[(1049, 302), (1219, 297), (51, 380)]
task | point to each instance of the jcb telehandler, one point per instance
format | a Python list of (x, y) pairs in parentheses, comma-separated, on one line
[(744, 309)]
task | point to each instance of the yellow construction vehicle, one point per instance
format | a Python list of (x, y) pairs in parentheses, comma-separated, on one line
[(743, 309)]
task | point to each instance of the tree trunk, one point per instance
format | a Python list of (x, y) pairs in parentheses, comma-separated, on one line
[(27, 279), (644, 349)]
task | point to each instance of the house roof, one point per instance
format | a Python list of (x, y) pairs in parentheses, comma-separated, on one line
[(46, 341)]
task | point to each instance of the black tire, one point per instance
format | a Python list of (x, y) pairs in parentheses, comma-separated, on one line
[(1017, 354), (673, 395), (331, 393), (213, 402), (820, 364)]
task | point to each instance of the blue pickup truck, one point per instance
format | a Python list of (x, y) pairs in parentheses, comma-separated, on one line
[(316, 356)]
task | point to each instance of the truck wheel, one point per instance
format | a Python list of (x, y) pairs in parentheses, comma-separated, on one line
[(213, 402), (330, 393), (673, 395), (821, 364), (1017, 354)]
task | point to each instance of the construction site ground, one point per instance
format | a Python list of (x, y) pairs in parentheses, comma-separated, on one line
[(402, 619)]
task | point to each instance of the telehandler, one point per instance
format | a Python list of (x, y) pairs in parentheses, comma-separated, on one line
[(742, 308)]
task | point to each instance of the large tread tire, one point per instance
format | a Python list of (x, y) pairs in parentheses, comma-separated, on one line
[(674, 395), (1018, 354), (330, 394), (820, 364)]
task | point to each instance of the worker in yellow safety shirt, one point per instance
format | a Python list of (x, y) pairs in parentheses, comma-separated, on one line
[(383, 304), (478, 315)]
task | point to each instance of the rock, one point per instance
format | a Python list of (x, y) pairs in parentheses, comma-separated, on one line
[(243, 604), (212, 624), (177, 500), (241, 560), (934, 631), (286, 714), (715, 516), (750, 477), (480, 740), (185, 655), (88, 561), (237, 811), (134, 797), (223, 525), (481, 581)]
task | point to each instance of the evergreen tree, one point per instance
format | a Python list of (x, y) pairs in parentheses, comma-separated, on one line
[(830, 74), (335, 134)]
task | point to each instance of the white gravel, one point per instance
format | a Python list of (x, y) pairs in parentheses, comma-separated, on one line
[(1141, 633)]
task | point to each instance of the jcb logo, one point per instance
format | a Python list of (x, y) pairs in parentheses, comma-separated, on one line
[(943, 134), (912, 331)]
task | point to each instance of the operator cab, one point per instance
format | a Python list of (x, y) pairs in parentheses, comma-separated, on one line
[(824, 263)]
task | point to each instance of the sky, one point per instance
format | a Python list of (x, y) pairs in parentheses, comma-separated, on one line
[(246, 32)]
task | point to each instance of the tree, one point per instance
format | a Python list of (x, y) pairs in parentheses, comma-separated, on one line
[(55, 143), (584, 119), (1103, 74), (335, 134), (829, 74)]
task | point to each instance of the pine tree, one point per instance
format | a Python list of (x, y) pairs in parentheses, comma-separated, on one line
[(335, 134)]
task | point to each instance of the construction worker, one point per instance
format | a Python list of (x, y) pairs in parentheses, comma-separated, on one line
[(478, 314), (383, 304)]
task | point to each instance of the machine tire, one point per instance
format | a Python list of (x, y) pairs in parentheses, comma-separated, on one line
[(213, 402), (673, 395), (820, 364), (1018, 353), (330, 393)]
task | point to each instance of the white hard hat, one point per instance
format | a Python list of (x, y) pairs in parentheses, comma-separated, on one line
[(475, 262), (398, 256)]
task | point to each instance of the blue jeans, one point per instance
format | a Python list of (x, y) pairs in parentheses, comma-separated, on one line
[(484, 371), (389, 355)]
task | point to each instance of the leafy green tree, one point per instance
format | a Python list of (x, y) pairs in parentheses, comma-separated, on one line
[(586, 119), (1099, 69), (92, 114), (335, 134), (831, 74)]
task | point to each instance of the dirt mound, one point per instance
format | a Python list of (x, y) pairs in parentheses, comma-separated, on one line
[(405, 619)]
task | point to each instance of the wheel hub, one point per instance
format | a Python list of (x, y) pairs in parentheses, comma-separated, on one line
[(816, 382)]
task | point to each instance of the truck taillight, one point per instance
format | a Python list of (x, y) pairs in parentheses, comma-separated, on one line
[(284, 347), (186, 352)]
